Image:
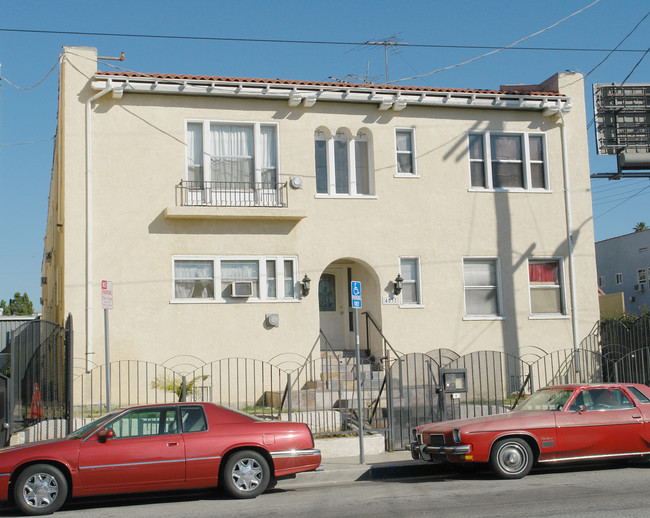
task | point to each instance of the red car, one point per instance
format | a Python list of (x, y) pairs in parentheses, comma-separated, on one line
[(154, 448), (555, 424)]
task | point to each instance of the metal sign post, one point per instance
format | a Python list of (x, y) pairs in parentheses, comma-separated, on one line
[(356, 305), (107, 303)]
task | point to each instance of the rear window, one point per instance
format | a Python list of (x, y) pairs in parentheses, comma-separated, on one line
[(639, 395)]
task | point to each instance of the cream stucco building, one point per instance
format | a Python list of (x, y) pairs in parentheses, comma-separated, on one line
[(206, 201)]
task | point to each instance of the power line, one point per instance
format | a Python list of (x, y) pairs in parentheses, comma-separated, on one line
[(314, 42), (58, 60), (624, 201), (500, 49), (25, 143)]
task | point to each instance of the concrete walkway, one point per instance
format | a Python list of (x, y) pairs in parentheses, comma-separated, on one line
[(344, 470)]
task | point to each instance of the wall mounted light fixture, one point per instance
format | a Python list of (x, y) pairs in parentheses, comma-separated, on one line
[(305, 285), (397, 284)]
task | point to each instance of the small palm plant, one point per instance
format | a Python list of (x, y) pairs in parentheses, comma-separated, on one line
[(640, 226), (174, 384)]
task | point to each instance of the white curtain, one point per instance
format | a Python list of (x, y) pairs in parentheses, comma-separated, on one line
[(194, 279), (268, 152), (195, 153), (232, 153)]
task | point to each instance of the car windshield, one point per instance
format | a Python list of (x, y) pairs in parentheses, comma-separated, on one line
[(546, 399), (81, 432)]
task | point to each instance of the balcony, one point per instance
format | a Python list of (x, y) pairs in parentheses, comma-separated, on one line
[(232, 200), (231, 194)]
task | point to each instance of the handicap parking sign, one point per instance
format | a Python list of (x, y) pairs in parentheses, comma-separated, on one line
[(356, 294)]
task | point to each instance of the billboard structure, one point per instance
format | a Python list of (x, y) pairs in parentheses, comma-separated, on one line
[(622, 122)]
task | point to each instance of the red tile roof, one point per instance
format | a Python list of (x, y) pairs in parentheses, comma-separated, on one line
[(223, 79)]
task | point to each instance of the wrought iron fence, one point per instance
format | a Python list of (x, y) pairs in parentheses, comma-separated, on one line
[(232, 194), (399, 391)]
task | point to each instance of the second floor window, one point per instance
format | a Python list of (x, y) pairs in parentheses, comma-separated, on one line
[(405, 152), (507, 161), (232, 153), (342, 165)]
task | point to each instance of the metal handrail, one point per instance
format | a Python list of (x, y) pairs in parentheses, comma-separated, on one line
[(231, 194)]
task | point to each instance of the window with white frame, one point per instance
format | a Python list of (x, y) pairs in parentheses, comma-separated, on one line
[(482, 292), (241, 279), (405, 150), (546, 287), (601, 281), (619, 278), (507, 161), (641, 275), (342, 165), (232, 153), (410, 272)]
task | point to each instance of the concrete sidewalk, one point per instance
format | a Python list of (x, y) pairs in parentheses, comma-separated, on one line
[(343, 470)]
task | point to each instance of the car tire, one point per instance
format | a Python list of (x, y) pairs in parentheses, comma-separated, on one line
[(511, 458), (246, 474), (40, 489)]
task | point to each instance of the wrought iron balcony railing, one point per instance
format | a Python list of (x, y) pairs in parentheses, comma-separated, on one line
[(231, 194)]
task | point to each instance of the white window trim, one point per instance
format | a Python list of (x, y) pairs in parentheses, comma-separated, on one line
[(352, 176), (619, 278), (420, 303), (487, 161), (601, 281), (207, 167), (415, 173), (261, 259), (548, 316), (497, 260)]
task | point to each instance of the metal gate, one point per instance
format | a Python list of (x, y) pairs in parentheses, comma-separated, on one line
[(38, 392)]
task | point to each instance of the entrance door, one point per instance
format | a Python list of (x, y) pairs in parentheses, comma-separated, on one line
[(334, 306)]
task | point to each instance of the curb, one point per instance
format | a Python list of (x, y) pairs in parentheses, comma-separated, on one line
[(348, 470)]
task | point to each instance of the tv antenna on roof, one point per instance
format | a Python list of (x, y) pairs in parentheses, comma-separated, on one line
[(389, 42)]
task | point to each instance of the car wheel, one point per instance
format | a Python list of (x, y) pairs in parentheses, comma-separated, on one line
[(511, 458), (40, 489), (246, 474)]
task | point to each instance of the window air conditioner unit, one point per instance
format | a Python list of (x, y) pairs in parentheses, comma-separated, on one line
[(241, 289)]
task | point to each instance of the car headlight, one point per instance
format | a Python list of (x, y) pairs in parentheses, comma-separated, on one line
[(456, 435), (414, 435)]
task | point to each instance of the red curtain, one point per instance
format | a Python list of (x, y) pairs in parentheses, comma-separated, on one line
[(543, 272)]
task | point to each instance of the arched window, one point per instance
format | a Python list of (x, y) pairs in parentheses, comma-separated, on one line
[(342, 163)]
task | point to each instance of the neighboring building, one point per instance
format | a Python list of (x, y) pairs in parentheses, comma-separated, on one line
[(623, 265), (208, 200)]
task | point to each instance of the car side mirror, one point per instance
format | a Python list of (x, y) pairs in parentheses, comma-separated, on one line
[(104, 435)]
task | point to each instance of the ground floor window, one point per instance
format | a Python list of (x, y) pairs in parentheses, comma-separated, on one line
[(411, 287), (546, 287), (239, 279), (481, 281)]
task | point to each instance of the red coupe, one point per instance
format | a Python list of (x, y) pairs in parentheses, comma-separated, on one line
[(153, 448), (555, 424)]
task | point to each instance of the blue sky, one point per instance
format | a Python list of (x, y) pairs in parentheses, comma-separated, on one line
[(28, 117)]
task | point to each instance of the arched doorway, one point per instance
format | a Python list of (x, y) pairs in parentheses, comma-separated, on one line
[(335, 304)]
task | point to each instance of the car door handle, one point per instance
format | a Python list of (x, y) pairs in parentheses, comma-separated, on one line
[(636, 417), (172, 444)]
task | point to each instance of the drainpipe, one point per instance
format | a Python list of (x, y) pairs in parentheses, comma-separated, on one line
[(89, 234), (569, 229)]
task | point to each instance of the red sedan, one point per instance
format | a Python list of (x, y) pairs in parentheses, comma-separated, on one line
[(556, 424), (154, 448)]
